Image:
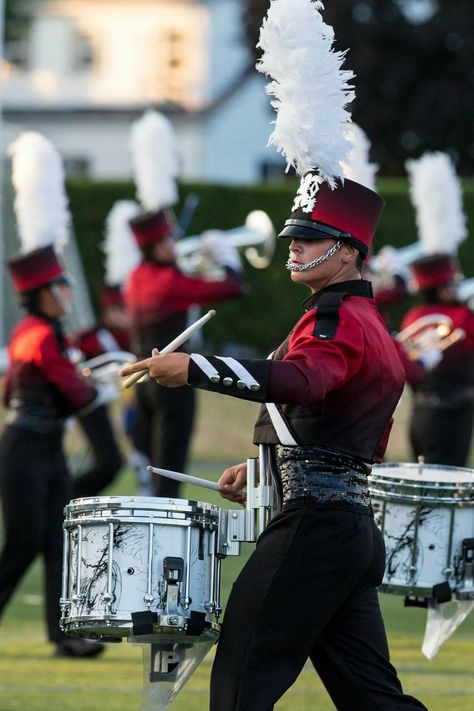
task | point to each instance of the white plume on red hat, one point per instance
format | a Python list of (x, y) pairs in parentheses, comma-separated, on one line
[(311, 90), (121, 251), (436, 194), (155, 161), (41, 203)]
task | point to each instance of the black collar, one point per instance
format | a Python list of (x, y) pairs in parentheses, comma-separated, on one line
[(353, 287)]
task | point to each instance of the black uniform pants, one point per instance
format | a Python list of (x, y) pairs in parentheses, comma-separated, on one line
[(100, 435), (308, 591), (163, 428), (442, 435), (34, 488)]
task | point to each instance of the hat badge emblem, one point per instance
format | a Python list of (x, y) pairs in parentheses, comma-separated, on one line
[(307, 192)]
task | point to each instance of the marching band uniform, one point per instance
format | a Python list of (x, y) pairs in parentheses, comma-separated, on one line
[(158, 296), (327, 394), (443, 400), (42, 389)]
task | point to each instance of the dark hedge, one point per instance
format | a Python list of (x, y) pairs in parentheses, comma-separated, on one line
[(264, 316)]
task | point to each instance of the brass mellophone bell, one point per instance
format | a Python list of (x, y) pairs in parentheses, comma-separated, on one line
[(430, 331), (256, 236)]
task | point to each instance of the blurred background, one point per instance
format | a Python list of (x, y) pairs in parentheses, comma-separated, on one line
[(80, 71)]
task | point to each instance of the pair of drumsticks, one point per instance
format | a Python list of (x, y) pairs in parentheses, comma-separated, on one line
[(174, 345), (135, 377)]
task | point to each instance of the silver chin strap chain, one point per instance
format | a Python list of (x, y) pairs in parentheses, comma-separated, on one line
[(306, 267)]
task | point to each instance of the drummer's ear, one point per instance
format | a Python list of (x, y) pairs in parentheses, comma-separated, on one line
[(349, 253)]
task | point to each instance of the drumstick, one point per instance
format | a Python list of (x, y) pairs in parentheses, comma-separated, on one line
[(185, 478), (176, 343)]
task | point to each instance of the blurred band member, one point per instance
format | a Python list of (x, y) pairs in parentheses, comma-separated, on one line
[(42, 389), (158, 296)]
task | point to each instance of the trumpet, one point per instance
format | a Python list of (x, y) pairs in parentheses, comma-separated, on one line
[(430, 331), (256, 236)]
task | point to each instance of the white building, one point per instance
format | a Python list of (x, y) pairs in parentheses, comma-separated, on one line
[(90, 67)]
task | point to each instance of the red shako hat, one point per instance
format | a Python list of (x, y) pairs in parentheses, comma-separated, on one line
[(35, 269), (151, 227), (349, 213), (434, 270)]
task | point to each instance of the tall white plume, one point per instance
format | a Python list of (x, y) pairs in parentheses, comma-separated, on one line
[(41, 204), (155, 161), (358, 166), (121, 251), (311, 90), (436, 194)]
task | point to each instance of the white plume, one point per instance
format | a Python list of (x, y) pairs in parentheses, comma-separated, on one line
[(41, 204), (358, 166), (121, 251), (311, 90), (435, 192), (155, 161)]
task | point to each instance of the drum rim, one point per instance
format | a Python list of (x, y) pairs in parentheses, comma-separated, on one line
[(414, 473), (143, 503)]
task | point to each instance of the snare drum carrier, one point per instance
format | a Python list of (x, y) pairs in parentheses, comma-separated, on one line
[(150, 568)]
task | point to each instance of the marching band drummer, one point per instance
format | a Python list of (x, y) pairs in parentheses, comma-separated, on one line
[(158, 296), (328, 394), (42, 389)]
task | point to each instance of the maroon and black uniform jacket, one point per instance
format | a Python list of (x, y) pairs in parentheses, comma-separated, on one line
[(42, 387), (94, 341), (451, 382), (158, 297), (336, 379)]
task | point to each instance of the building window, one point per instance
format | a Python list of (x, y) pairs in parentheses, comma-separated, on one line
[(77, 167)]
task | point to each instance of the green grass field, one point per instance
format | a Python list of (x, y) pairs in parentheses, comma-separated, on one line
[(32, 680)]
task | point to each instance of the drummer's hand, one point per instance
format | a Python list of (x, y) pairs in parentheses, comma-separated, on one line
[(232, 482), (170, 370)]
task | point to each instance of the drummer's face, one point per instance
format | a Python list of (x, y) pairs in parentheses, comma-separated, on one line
[(336, 267)]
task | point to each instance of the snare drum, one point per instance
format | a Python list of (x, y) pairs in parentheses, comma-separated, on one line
[(425, 512), (140, 561)]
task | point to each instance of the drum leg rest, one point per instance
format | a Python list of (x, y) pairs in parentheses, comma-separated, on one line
[(143, 622), (442, 593)]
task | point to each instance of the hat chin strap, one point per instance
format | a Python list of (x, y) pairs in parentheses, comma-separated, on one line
[(316, 262)]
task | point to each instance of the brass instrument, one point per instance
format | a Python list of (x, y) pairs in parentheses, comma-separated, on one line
[(429, 331), (256, 237)]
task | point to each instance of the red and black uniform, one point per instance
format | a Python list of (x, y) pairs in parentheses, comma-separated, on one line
[(42, 389), (443, 399), (309, 589), (158, 298), (100, 339)]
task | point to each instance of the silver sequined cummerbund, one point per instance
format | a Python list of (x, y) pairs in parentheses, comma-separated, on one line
[(322, 475)]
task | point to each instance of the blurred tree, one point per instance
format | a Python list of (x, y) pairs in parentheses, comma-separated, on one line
[(414, 67)]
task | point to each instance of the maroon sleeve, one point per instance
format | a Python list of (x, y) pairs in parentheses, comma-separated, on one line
[(313, 367), (60, 372)]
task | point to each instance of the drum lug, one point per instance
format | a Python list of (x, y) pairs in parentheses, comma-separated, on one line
[(78, 600), (466, 591), (148, 599)]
